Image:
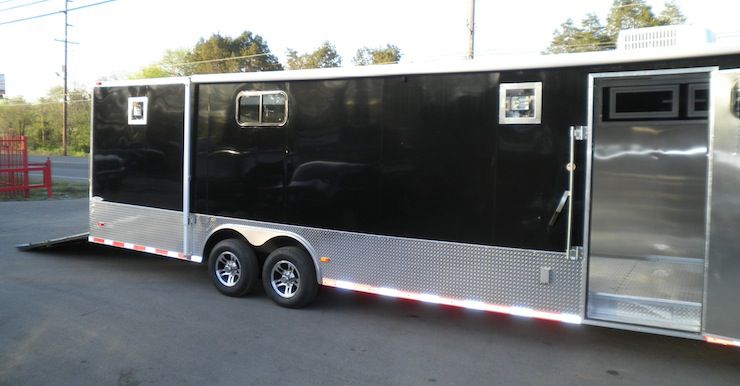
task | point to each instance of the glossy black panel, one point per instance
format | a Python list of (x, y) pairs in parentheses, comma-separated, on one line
[(439, 157), (417, 156), (334, 153), (139, 164), (239, 171)]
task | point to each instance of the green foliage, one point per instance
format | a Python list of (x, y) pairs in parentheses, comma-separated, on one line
[(629, 14), (590, 36), (249, 52), (671, 15), (380, 55), (16, 116), (624, 14), (324, 56), (42, 122), (152, 71)]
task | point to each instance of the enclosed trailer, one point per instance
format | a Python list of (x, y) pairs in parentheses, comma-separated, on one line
[(593, 188)]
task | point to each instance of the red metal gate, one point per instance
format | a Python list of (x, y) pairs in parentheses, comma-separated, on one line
[(14, 169)]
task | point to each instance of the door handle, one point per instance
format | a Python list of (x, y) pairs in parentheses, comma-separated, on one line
[(561, 205)]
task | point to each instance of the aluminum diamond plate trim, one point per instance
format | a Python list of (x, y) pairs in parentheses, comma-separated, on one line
[(505, 276), (156, 228)]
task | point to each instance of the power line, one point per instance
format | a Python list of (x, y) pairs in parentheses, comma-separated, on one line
[(23, 5), (213, 60), (55, 13), (43, 103)]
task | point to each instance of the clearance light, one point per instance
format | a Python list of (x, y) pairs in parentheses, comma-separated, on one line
[(324, 259), (475, 305), (470, 304), (521, 311), (427, 298), (722, 341), (388, 292)]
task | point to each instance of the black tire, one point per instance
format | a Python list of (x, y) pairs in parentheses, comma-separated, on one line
[(233, 267), (289, 277)]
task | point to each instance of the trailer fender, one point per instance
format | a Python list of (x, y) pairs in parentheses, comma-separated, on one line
[(258, 237)]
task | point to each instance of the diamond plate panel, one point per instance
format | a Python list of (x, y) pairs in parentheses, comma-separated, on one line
[(504, 276), (158, 228), (661, 313)]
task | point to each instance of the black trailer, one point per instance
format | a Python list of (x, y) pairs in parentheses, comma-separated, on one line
[(594, 188)]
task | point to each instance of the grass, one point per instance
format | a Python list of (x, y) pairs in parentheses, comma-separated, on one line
[(62, 190)]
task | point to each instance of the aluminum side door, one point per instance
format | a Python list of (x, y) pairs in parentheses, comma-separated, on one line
[(721, 305)]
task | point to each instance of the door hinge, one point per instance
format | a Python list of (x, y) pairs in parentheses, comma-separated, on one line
[(580, 132), (192, 219), (575, 253)]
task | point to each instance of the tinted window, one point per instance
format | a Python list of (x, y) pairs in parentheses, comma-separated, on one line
[(249, 109), (261, 108), (273, 108)]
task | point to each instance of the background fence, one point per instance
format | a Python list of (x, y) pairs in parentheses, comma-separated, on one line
[(15, 181)]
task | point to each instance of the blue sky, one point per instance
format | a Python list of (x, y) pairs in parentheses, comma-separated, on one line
[(119, 38)]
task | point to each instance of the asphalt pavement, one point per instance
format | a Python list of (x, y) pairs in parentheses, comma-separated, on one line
[(65, 168), (93, 315)]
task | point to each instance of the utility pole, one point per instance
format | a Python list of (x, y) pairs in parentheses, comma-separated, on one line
[(64, 129), (471, 30), (64, 75)]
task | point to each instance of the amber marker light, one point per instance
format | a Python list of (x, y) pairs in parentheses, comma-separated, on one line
[(325, 259)]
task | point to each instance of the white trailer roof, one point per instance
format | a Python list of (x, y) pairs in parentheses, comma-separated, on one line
[(493, 63)]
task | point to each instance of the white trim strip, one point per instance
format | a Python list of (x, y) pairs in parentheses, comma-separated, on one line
[(143, 248), (467, 303)]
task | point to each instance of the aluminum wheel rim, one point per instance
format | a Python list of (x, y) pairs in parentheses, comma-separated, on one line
[(228, 269), (285, 279)]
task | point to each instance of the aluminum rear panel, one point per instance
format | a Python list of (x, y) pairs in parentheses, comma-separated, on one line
[(151, 227)]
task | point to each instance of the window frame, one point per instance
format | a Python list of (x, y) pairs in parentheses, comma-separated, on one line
[(260, 94), (536, 88), (691, 110), (675, 101)]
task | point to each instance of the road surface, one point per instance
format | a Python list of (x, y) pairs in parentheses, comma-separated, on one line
[(65, 168), (94, 315)]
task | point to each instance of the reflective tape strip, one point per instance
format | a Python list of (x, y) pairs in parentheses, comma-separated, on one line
[(143, 248), (468, 303)]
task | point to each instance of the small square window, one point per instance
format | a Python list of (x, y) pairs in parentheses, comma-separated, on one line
[(137, 110), (520, 103)]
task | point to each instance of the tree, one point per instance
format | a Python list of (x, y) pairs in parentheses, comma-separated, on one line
[(324, 56), (624, 14), (589, 37), (380, 55), (671, 15), (173, 63), (217, 54), (41, 122), (629, 14), (16, 116), (250, 53)]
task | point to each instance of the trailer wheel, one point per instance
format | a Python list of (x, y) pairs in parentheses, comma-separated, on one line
[(233, 267), (289, 277)]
